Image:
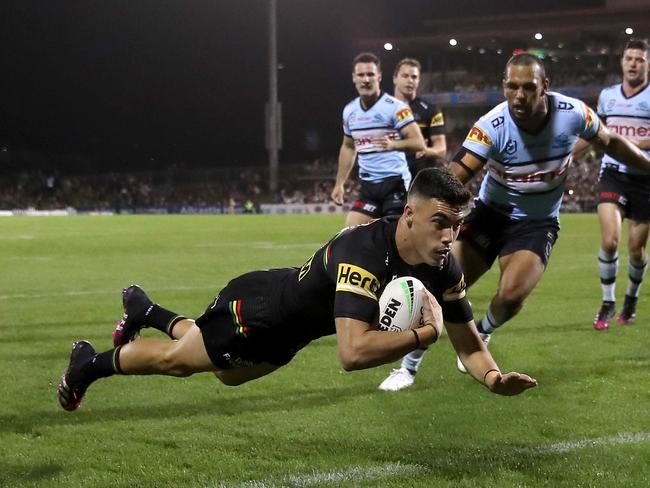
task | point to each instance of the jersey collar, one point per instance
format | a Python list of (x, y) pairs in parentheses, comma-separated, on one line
[(637, 93), (381, 94)]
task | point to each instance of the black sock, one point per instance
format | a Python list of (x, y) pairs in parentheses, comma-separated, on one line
[(102, 365), (162, 319)]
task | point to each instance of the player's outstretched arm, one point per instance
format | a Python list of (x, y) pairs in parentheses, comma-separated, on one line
[(479, 362), (346, 163), (621, 149), (508, 384)]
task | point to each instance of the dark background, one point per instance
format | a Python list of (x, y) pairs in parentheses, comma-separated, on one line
[(144, 83)]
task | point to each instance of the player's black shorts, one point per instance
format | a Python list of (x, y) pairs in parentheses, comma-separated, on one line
[(493, 234), (386, 197), (240, 329), (628, 191)]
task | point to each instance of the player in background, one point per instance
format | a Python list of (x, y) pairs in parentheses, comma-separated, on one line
[(526, 143), (260, 320), (377, 129), (624, 191), (430, 120)]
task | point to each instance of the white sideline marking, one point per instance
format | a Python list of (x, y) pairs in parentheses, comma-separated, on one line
[(568, 446), (350, 474), (9, 237), (398, 469), (74, 293)]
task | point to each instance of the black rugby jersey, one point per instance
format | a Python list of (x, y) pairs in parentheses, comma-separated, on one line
[(345, 277), (430, 120)]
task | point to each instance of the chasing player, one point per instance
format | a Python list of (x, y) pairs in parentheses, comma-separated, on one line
[(377, 129), (624, 191), (526, 143), (260, 320)]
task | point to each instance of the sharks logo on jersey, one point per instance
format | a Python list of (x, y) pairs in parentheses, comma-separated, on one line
[(628, 117), (384, 119), (527, 172)]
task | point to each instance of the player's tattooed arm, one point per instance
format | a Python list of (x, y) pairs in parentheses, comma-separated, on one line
[(465, 165)]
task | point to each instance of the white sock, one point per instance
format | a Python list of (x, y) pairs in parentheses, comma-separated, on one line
[(636, 272), (608, 267), (488, 323), (413, 359)]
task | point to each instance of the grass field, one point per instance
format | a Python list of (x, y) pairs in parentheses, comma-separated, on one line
[(309, 424)]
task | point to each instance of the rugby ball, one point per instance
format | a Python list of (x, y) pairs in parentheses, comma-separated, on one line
[(400, 305)]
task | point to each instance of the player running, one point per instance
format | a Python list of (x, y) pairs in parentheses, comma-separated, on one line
[(526, 144), (260, 320), (623, 191)]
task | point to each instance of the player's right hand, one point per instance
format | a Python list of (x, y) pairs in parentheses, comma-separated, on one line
[(337, 195)]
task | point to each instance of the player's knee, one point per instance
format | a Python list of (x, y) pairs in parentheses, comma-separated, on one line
[(637, 253), (610, 244), (512, 297)]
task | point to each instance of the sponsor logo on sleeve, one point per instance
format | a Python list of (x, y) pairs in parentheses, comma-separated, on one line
[(476, 134), (456, 292), (357, 280), (590, 118), (437, 120), (403, 114)]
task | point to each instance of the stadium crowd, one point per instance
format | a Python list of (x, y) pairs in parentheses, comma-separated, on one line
[(230, 190), (219, 191)]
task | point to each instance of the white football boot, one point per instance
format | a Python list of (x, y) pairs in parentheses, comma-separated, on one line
[(397, 380)]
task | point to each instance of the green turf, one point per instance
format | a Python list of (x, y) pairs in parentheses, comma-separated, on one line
[(309, 424)]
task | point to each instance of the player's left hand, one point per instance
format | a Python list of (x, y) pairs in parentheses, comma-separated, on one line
[(384, 143), (509, 384)]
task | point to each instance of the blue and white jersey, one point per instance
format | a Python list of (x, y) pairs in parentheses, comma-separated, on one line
[(627, 116), (526, 172), (385, 118)]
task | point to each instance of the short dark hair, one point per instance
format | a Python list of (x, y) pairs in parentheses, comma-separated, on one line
[(408, 62), (440, 183), (637, 44), (525, 59), (366, 58)]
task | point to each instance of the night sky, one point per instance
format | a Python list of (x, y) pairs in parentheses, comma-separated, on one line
[(121, 82)]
